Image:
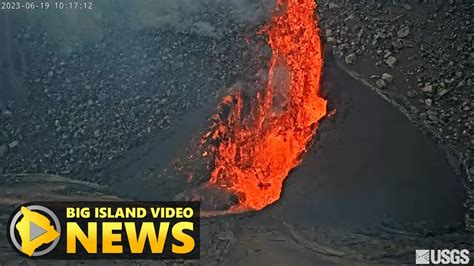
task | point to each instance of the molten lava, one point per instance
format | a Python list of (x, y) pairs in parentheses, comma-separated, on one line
[(255, 147)]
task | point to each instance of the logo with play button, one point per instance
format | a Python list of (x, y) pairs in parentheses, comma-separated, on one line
[(34, 230)]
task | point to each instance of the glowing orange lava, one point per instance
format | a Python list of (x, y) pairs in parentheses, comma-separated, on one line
[(253, 151)]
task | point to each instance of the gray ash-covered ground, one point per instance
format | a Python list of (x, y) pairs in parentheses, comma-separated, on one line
[(423, 51), (91, 102), (420, 54)]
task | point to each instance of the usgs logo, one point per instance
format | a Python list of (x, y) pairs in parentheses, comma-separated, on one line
[(442, 256)]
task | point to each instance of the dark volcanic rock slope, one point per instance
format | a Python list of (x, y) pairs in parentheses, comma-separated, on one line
[(90, 100), (424, 51), (419, 53)]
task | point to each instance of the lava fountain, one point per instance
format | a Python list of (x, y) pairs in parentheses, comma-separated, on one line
[(255, 141)]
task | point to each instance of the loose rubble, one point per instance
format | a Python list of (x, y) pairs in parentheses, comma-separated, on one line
[(88, 103), (424, 50)]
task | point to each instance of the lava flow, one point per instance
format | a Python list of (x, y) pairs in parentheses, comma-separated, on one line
[(255, 143)]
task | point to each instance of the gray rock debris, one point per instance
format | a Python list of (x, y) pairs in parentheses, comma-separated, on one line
[(387, 78), (390, 61), (350, 59), (381, 84), (13, 144), (403, 32)]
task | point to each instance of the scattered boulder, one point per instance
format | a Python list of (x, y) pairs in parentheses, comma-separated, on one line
[(403, 32), (329, 33), (13, 144), (350, 59), (387, 78), (407, 7), (442, 92), (381, 84), (428, 88), (390, 61)]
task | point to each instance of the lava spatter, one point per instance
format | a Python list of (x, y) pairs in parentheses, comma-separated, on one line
[(254, 150)]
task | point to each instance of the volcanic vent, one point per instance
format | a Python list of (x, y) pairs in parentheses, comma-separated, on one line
[(255, 140)]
